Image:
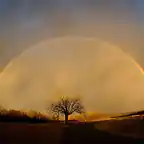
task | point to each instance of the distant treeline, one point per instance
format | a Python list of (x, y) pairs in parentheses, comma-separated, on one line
[(18, 116), (140, 113)]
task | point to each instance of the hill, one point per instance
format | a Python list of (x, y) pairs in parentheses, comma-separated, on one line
[(137, 113), (132, 127), (56, 133)]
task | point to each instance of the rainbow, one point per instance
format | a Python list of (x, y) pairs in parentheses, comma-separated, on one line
[(79, 37)]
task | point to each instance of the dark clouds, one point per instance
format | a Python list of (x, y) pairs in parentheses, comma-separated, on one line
[(27, 22)]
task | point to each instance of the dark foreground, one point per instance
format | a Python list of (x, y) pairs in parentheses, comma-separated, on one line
[(88, 134), (58, 133)]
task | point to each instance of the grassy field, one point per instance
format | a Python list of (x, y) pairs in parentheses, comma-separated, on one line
[(23, 133), (126, 127), (54, 133)]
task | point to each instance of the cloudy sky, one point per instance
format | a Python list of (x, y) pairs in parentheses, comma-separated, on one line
[(102, 75), (24, 23)]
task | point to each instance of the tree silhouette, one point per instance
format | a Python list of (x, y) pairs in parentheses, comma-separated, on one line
[(55, 116), (67, 106)]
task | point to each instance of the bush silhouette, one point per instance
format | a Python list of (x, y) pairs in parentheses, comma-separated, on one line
[(19, 116)]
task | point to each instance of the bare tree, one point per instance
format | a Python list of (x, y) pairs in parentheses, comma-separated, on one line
[(67, 106), (55, 116)]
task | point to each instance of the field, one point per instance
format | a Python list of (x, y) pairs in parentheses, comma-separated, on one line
[(49, 133), (126, 127), (23, 133)]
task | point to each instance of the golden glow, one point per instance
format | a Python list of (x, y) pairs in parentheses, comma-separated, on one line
[(105, 77)]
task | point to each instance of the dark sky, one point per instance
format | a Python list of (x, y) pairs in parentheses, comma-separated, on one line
[(24, 23)]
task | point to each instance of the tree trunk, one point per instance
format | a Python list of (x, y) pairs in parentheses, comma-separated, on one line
[(66, 118)]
